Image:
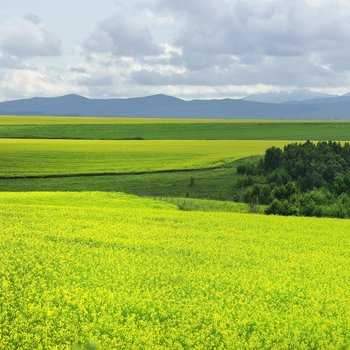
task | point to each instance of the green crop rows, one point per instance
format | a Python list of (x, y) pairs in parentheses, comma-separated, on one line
[(169, 129)]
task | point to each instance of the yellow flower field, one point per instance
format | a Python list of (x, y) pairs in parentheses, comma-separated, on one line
[(119, 271)]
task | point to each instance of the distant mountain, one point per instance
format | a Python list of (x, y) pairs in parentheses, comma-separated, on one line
[(163, 106), (334, 99), (282, 97)]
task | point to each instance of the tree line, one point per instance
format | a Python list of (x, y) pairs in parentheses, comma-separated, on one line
[(302, 179)]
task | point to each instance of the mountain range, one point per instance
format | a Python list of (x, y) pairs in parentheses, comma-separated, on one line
[(287, 96), (163, 106)]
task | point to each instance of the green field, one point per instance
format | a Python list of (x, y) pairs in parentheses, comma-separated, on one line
[(23, 158), (121, 272), (221, 183), (110, 129)]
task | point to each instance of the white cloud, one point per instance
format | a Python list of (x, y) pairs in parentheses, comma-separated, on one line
[(118, 36), (26, 37)]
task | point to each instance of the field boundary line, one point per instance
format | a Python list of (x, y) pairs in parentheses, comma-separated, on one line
[(55, 176), (128, 173)]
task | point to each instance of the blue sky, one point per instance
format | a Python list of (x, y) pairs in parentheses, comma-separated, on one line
[(187, 48), (71, 20)]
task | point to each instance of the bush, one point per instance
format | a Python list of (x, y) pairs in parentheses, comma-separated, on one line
[(281, 207), (248, 181), (247, 169)]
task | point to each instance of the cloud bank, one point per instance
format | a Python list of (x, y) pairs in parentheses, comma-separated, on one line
[(192, 48)]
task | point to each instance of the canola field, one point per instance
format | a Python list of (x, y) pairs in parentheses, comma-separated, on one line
[(25, 158), (111, 271)]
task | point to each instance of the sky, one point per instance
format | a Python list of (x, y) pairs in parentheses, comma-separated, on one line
[(186, 48)]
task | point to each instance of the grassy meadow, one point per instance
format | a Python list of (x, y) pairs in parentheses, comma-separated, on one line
[(222, 183), (192, 204), (138, 244)]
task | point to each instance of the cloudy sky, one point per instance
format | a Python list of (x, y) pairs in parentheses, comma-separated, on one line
[(186, 48)]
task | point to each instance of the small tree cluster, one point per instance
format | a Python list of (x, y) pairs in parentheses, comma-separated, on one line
[(309, 179)]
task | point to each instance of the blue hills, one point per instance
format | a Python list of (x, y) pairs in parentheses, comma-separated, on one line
[(163, 106)]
